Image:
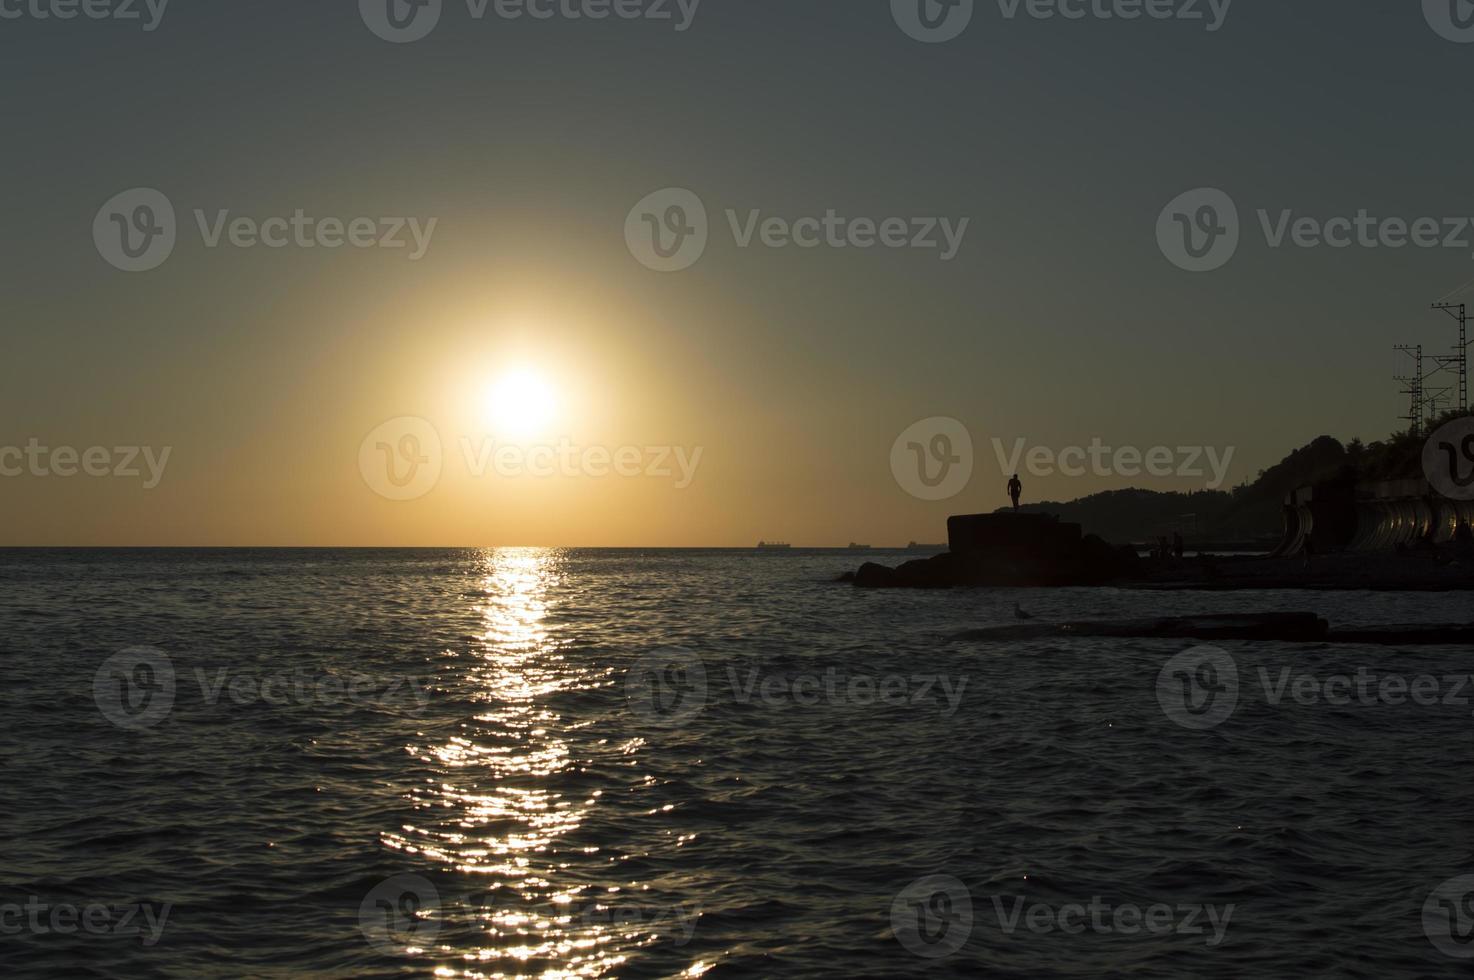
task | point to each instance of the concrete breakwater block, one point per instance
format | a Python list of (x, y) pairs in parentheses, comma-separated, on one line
[(1007, 550), (1012, 535)]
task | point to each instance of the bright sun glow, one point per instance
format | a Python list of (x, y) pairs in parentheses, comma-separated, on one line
[(520, 405)]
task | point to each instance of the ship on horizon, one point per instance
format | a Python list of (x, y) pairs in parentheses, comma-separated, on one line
[(774, 546)]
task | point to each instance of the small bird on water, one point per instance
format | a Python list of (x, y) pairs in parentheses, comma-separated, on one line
[(1018, 611)]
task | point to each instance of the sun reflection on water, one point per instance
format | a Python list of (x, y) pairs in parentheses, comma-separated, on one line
[(493, 814)]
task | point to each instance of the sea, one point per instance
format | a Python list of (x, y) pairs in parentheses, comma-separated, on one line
[(722, 763)]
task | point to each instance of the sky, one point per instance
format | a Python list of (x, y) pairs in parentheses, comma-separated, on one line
[(531, 370)]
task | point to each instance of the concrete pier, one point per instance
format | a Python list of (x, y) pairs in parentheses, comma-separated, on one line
[(1009, 550), (1016, 536)]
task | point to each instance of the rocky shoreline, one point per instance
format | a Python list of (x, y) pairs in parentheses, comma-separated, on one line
[(1331, 573), (1037, 550), (1291, 627)]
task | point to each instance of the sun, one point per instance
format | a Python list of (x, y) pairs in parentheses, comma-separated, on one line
[(521, 404)]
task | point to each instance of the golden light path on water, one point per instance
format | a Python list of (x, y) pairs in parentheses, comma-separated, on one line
[(494, 815)]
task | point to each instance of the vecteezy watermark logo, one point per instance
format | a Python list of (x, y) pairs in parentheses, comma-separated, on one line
[(1367, 688), (1448, 917), (400, 913), (842, 689), (136, 230), (1185, 462), (933, 459), (1452, 19), (567, 459), (134, 689), (932, 21), (621, 913), (667, 686), (39, 918), (835, 230), (1104, 918), (1199, 688), (932, 916), (64, 462), (401, 459), (676, 923), (1199, 230), (1212, 13), (672, 685), (400, 21), (668, 230), (301, 687), (1448, 459), (120, 10)]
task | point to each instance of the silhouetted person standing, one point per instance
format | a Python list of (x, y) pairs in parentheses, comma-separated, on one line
[(1015, 491)]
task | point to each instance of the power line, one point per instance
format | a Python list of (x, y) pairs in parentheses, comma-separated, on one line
[(1413, 388), (1459, 362), (1455, 291)]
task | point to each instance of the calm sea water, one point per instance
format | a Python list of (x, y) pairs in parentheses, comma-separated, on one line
[(677, 763)]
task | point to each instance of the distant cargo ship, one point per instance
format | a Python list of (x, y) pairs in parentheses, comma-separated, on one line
[(773, 546), (913, 546), (859, 547)]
